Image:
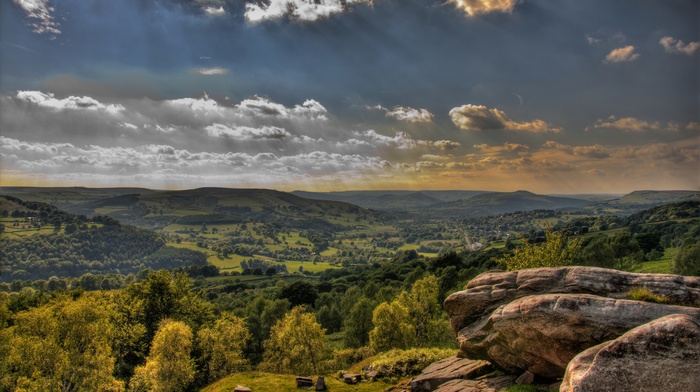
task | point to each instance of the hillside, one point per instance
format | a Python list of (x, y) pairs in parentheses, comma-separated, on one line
[(641, 200), (390, 200), (496, 203), (39, 241), (157, 209)]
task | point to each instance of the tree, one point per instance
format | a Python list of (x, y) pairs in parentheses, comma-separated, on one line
[(358, 324), (168, 295), (392, 327), (300, 292), (221, 347), (61, 346), (557, 250), (687, 260), (169, 367), (329, 317), (297, 344)]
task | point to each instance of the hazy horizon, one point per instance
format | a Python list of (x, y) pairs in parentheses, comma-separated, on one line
[(563, 97)]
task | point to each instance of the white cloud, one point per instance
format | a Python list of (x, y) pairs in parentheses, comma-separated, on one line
[(48, 100), (401, 140), (446, 145), (303, 10), (405, 113), (478, 7), (263, 107), (480, 118), (672, 45), (246, 133), (210, 71), (214, 11), (620, 55), (42, 13)]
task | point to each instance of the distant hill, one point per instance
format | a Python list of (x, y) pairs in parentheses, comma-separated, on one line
[(391, 200), (496, 203), (641, 200), (154, 209)]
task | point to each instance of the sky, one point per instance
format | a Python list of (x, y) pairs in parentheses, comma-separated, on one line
[(565, 97)]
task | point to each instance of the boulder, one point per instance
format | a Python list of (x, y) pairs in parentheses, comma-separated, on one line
[(448, 369), (542, 333), (488, 291), (493, 384), (662, 355)]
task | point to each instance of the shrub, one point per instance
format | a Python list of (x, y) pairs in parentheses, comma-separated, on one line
[(402, 363)]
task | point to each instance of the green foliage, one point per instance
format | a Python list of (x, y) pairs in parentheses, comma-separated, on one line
[(166, 295), (169, 367), (358, 323), (61, 346), (646, 295), (221, 347), (687, 260), (557, 250), (392, 327), (403, 363), (297, 344)]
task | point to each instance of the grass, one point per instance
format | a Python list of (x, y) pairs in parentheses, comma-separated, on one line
[(259, 381), (661, 266), (644, 294)]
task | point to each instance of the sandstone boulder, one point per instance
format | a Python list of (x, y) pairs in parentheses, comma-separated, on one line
[(662, 355), (448, 369), (488, 291), (542, 333), (493, 384)]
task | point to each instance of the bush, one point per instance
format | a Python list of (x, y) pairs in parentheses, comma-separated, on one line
[(403, 363)]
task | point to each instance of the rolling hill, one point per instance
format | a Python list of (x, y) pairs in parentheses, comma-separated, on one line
[(390, 200), (156, 209), (496, 203)]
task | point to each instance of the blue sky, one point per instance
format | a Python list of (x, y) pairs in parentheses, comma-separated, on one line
[(550, 96)]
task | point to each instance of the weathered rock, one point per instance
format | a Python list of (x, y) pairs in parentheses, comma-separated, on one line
[(526, 378), (241, 388), (488, 291), (483, 385), (662, 355), (448, 369), (542, 333)]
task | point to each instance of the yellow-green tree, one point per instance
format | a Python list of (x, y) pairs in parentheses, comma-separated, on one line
[(169, 367), (61, 346), (428, 319), (557, 251), (297, 344), (393, 327), (221, 347)]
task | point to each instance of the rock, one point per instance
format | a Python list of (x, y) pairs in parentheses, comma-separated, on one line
[(526, 378), (321, 384), (542, 333), (241, 388), (449, 369), (488, 291), (662, 355), (303, 382), (483, 385)]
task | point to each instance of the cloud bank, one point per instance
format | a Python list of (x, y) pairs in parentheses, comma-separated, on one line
[(303, 10)]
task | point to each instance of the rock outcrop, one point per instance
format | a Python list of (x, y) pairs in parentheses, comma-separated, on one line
[(663, 355), (448, 369), (542, 333), (537, 320), (492, 289)]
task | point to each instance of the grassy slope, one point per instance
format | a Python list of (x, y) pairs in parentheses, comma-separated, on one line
[(259, 381)]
